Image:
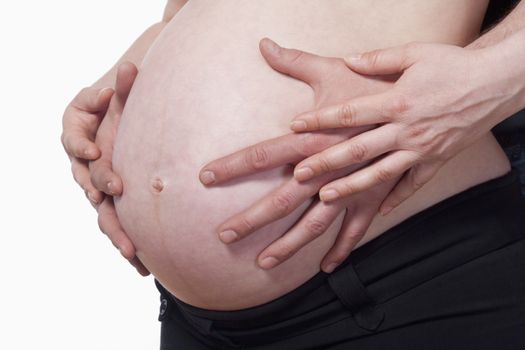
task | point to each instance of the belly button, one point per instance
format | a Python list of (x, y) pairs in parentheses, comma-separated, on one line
[(157, 185)]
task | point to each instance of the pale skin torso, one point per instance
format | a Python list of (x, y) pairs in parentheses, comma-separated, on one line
[(195, 101)]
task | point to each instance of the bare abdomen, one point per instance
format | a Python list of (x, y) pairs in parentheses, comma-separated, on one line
[(203, 92)]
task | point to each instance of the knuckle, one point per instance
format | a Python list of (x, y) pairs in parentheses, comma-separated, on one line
[(312, 143), (348, 188), (372, 58), (346, 115), (286, 250), (257, 157), (357, 151), (247, 225), (228, 169), (295, 56), (383, 175), (283, 202), (316, 227), (305, 145), (415, 132), (324, 164), (398, 105)]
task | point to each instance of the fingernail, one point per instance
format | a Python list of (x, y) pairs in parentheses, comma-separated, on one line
[(103, 91), (268, 262), (330, 268), (328, 195), (87, 153), (385, 210), (273, 47), (208, 177), (92, 198), (298, 125), (228, 236), (353, 58), (303, 173)]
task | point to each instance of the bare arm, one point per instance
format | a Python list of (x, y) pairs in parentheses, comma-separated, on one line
[(81, 122), (512, 23)]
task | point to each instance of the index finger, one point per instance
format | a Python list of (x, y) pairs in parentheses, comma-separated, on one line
[(278, 204), (287, 149), (360, 111)]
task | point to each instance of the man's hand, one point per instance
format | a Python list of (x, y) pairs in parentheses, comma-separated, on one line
[(102, 175), (332, 82), (445, 100)]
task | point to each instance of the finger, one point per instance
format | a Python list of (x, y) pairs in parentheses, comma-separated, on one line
[(315, 221), (275, 206), (103, 178), (287, 149), (383, 170), (360, 111), (126, 74), (410, 183), (383, 61), (295, 63), (93, 100), (77, 143), (81, 175), (365, 146), (354, 227), (110, 225), (137, 264)]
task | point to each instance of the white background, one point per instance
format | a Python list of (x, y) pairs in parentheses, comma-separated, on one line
[(63, 285)]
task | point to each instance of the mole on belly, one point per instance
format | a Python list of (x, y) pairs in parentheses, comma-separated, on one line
[(157, 185)]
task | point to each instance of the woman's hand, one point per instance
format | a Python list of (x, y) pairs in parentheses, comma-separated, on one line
[(102, 175), (446, 98), (332, 82), (80, 123)]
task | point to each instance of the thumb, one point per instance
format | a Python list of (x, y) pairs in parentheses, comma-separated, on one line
[(295, 63), (383, 61), (126, 74)]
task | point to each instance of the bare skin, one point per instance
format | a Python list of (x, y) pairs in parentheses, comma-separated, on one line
[(81, 120), (171, 219), (80, 147), (496, 94)]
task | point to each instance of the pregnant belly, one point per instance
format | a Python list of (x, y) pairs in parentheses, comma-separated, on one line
[(204, 91)]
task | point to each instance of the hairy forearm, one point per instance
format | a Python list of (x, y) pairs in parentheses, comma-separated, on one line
[(140, 47), (511, 24)]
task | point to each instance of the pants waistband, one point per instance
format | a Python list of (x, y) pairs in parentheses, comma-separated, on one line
[(461, 228)]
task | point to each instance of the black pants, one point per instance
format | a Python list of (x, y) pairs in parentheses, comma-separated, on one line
[(450, 277)]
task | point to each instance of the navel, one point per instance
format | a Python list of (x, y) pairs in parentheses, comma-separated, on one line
[(157, 185)]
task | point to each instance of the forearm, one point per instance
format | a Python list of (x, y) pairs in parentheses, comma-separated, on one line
[(140, 47), (511, 24), (505, 69), (134, 54)]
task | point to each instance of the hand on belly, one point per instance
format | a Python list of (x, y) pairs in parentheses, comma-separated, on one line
[(332, 82)]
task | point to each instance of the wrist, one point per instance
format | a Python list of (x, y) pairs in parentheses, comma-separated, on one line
[(504, 74)]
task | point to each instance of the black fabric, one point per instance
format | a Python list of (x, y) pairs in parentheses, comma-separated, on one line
[(496, 11), (450, 277)]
